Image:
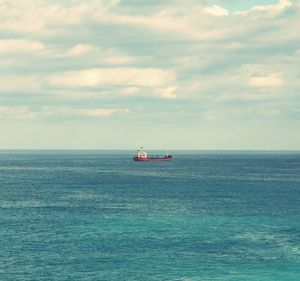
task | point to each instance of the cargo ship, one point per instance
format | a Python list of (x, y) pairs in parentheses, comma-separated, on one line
[(143, 156)]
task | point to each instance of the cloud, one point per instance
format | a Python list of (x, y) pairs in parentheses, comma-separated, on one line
[(90, 59), (154, 82), (80, 49), (15, 112), (281, 5), (32, 16), (19, 46), (113, 56), (21, 16), (91, 112), (216, 11), (26, 113), (192, 20), (118, 59), (272, 80), (105, 56), (90, 78), (186, 21), (26, 16), (249, 96), (18, 83), (130, 91), (167, 93)]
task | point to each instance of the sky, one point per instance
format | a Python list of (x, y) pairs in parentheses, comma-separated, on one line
[(162, 74)]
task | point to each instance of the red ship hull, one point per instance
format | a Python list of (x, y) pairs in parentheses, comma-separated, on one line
[(164, 158)]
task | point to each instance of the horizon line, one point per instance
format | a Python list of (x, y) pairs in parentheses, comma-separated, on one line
[(133, 149)]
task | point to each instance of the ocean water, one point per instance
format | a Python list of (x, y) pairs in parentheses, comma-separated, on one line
[(94, 215)]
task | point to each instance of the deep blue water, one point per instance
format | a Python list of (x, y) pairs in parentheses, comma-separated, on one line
[(101, 216)]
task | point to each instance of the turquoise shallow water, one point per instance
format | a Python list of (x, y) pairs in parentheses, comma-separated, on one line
[(101, 216)]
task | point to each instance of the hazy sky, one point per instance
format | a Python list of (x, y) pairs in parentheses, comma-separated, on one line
[(177, 74)]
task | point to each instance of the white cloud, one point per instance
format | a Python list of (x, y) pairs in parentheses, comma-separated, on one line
[(161, 92), (130, 81), (31, 16), (21, 15), (104, 56), (15, 112), (282, 4), (90, 78), (113, 56), (247, 95), (93, 112), (216, 10), (205, 55), (118, 59), (187, 21), (24, 16), (130, 91), (24, 112), (167, 93), (20, 46), (235, 46), (12, 83), (276, 8), (272, 80), (80, 49), (193, 21)]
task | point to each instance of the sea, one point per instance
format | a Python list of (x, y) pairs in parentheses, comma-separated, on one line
[(98, 215)]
